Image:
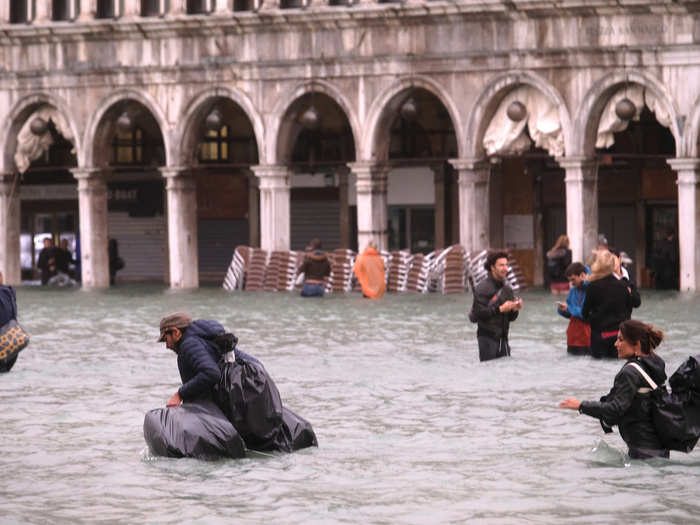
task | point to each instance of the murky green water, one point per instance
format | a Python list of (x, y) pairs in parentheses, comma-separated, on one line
[(411, 427)]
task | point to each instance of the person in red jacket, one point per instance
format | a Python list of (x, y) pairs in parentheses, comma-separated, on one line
[(369, 269)]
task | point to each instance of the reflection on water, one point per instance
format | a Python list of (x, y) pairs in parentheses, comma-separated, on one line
[(411, 427)]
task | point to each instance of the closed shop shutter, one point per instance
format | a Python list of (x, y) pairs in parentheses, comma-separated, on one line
[(218, 239), (315, 218), (142, 245)]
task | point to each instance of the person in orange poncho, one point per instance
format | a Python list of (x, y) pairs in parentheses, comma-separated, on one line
[(369, 269)]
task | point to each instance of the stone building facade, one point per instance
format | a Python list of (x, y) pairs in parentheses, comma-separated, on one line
[(183, 128)]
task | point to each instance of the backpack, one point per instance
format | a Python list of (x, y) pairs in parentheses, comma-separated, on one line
[(676, 415)]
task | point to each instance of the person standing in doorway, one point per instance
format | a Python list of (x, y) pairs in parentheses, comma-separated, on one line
[(494, 308)]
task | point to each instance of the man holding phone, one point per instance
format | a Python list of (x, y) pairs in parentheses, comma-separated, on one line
[(494, 308), (578, 333)]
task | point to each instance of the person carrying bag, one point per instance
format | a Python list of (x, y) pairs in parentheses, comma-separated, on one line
[(13, 337)]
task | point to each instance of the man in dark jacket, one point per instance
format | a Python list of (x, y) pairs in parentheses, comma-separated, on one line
[(495, 306), (197, 354)]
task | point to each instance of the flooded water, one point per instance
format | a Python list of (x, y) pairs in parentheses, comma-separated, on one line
[(411, 427)]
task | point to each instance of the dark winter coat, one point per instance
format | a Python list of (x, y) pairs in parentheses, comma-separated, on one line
[(607, 304), (197, 359), (630, 410), (8, 305), (489, 295), (316, 266)]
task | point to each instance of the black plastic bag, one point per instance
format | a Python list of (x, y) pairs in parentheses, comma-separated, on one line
[(198, 430), (250, 400), (294, 433)]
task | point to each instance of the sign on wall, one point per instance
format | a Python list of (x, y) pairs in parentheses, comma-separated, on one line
[(518, 232)]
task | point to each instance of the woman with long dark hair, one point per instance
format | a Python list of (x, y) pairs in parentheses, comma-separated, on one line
[(628, 405)]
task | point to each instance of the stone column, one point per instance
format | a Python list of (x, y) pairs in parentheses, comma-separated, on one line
[(181, 195), (222, 7), (88, 10), (42, 12), (473, 203), (4, 12), (343, 202), (253, 211), (274, 207), (92, 208), (581, 182), (688, 171), (372, 213), (132, 7), (439, 180), (266, 5), (9, 228)]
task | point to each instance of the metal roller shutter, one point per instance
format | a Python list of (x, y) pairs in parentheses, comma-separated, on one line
[(218, 239), (142, 245), (315, 218)]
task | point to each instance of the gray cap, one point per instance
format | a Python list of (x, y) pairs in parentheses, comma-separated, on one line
[(177, 320)]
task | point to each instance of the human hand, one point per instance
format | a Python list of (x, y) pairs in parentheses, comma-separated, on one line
[(562, 306), (518, 304), (507, 306), (174, 401), (571, 403)]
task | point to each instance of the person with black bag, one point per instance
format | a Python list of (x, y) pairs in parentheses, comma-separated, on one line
[(629, 404), (13, 338)]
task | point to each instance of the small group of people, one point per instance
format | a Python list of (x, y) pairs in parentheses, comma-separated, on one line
[(56, 263), (316, 268), (598, 301)]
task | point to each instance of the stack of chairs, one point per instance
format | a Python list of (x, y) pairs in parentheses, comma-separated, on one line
[(417, 274), (342, 263), (235, 276), (515, 275), (255, 270), (281, 271), (453, 270), (398, 271)]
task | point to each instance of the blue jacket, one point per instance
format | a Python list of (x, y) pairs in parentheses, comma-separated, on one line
[(197, 359), (574, 302)]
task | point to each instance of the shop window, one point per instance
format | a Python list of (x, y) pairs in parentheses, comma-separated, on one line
[(292, 4), (151, 8), (128, 147), (197, 7), (105, 9), (61, 10), (243, 5), (215, 146), (19, 13)]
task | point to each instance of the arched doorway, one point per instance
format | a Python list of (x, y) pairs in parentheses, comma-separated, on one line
[(637, 194), (222, 148), (44, 156), (128, 147), (316, 143), (422, 199)]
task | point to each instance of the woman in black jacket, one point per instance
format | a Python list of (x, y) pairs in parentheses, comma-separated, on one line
[(607, 304), (628, 405)]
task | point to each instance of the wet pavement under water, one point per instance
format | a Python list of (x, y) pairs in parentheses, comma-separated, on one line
[(412, 428)]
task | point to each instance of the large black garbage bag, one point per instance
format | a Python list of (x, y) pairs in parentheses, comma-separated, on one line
[(197, 429), (294, 433), (250, 399)]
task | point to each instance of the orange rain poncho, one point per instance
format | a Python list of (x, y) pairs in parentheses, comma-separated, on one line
[(369, 269)]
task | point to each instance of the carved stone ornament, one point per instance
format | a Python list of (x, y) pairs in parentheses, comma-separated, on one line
[(625, 109), (516, 111)]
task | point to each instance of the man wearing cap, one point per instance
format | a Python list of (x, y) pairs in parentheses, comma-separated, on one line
[(197, 354)]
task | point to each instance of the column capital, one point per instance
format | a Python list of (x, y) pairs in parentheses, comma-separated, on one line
[(270, 170), (369, 169), (579, 169), (169, 172), (83, 173), (470, 163), (684, 165), (583, 163)]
